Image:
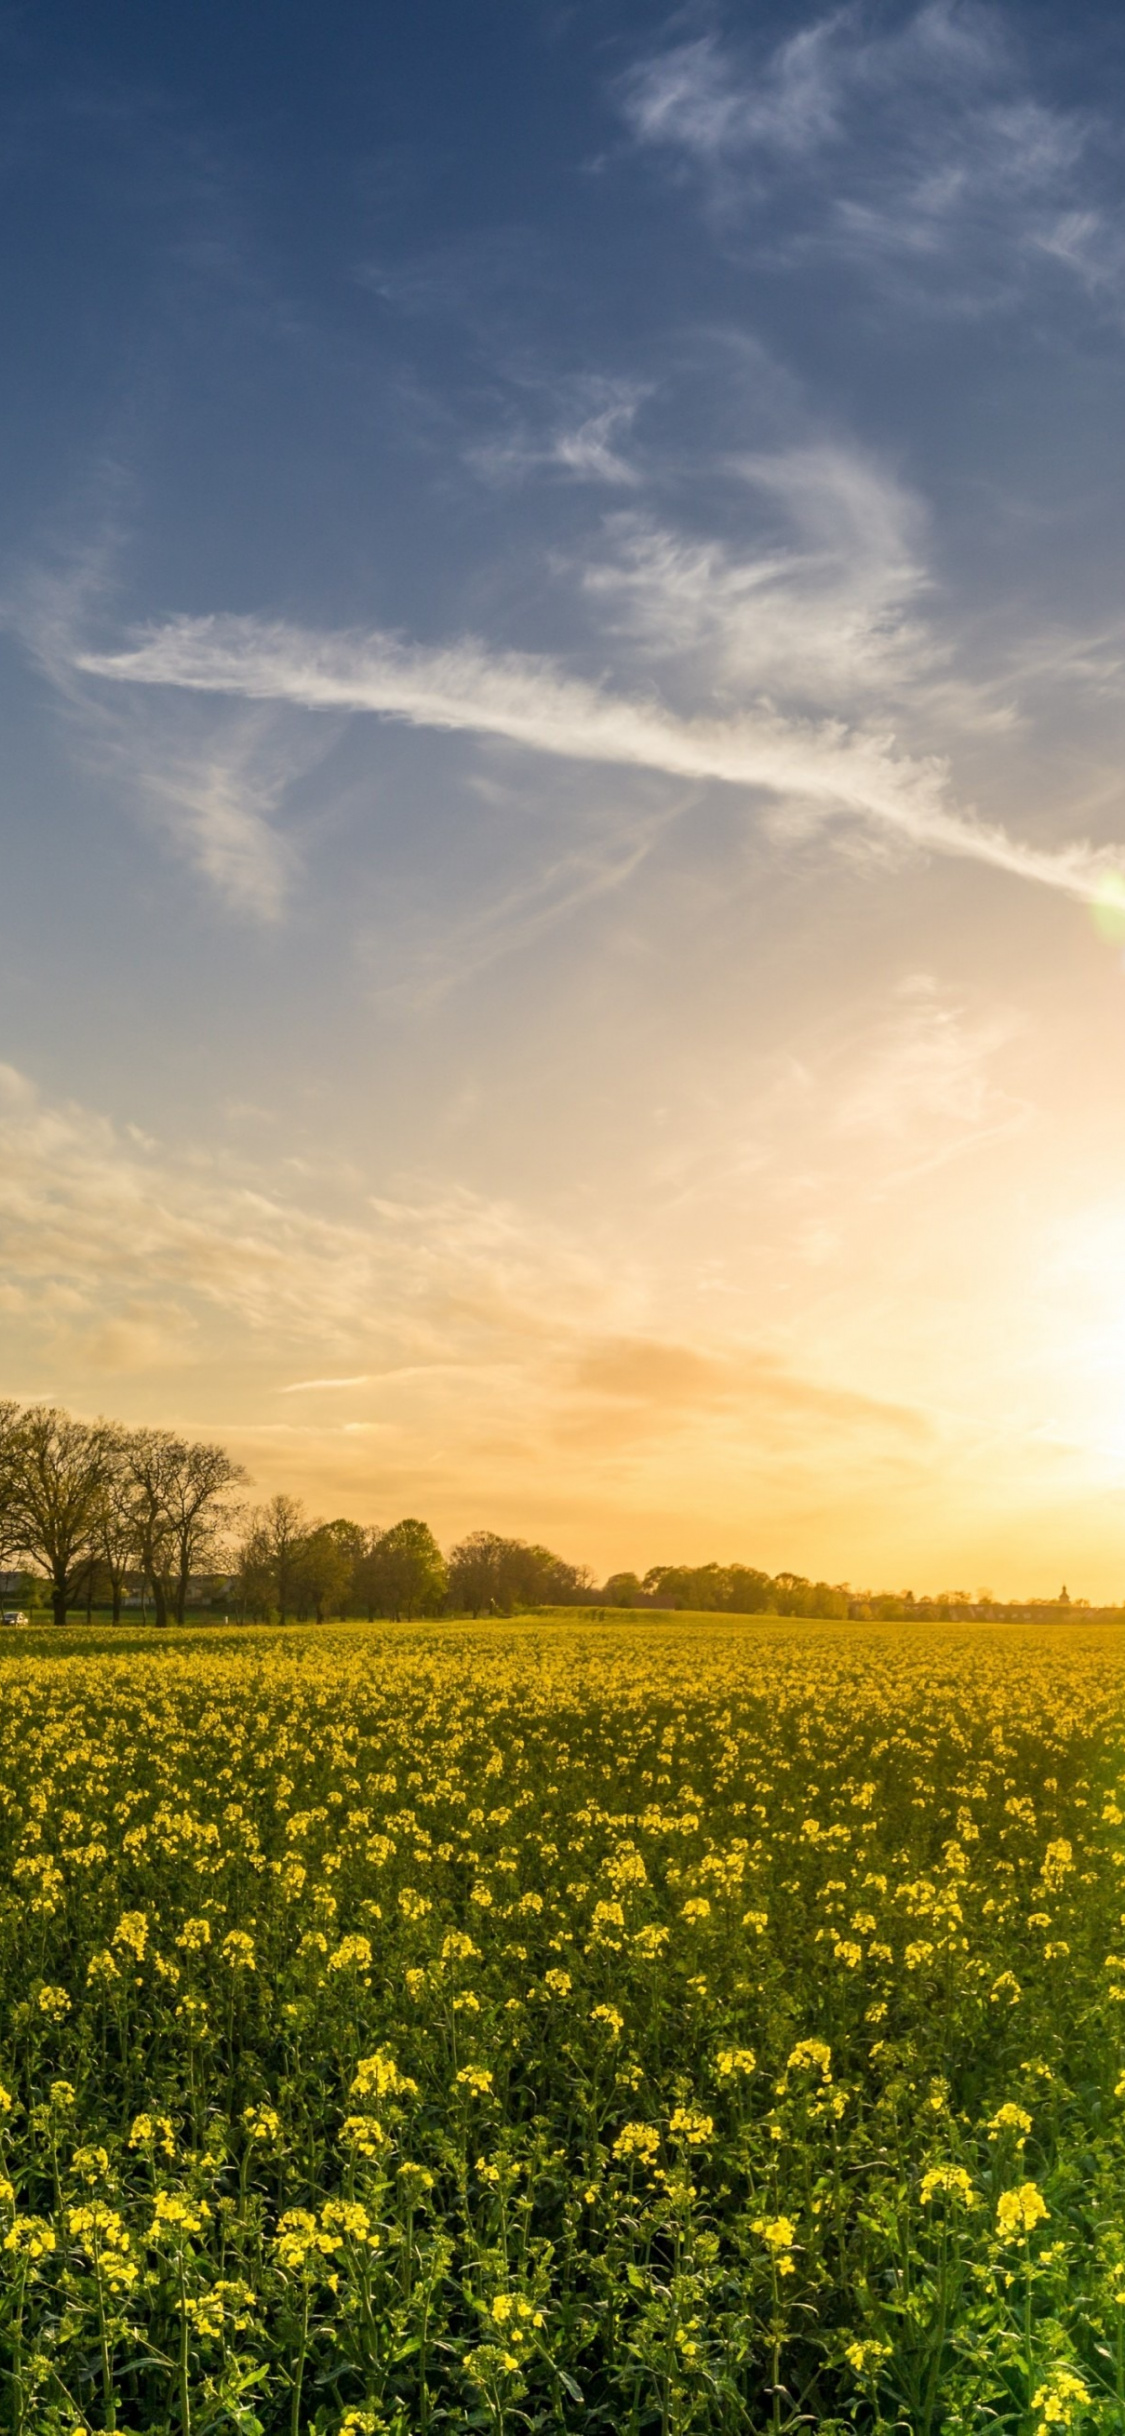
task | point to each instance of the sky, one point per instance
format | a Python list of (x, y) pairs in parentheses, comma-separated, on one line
[(562, 813)]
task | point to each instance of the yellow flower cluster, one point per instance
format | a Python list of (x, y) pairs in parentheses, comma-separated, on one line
[(489, 2023), (1019, 2211)]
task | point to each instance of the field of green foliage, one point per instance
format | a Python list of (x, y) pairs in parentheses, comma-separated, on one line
[(615, 2028)]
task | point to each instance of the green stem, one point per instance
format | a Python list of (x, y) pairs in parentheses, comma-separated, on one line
[(17, 2356), (1027, 2316), (775, 2369), (299, 2373), (933, 2381), (108, 2396), (185, 2398)]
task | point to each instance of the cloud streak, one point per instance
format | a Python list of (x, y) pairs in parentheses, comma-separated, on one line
[(647, 1372), (830, 770)]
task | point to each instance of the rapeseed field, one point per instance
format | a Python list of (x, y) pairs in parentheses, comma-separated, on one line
[(618, 2028)]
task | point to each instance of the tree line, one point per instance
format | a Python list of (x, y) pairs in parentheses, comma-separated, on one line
[(286, 1566), (714, 1589), (740, 1590), (101, 1513)]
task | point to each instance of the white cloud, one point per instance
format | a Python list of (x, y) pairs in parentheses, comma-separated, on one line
[(920, 150), (462, 1311), (689, 98), (834, 771), (589, 448), (300, 1387), (585, 445), (85, 1212), (217, 807), (819, 615)]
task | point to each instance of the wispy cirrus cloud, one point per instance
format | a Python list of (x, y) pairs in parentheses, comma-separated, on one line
[(88, 1207), (457, 1305), (919, 150), (217, 804), (823, 613), (689, 97), (927, 1093), (210, 789), (586, 443), (832, 771)]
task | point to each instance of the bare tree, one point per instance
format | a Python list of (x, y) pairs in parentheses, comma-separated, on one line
[(198, 1479), (149, 1460), (59, 1469), (284, 1526), (270, 1558), (118, 1533), (9, 1427), (254, 1572)]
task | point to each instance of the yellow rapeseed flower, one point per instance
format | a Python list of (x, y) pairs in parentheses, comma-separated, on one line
[(1020, 2210)]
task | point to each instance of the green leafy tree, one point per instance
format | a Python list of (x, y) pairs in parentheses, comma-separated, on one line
[(623, 1590), (366, 1581), (323, 1571), (476, 1573), (749, 1592), (700, 1588), (490, 1575), (550, 1580), (408, 1572)]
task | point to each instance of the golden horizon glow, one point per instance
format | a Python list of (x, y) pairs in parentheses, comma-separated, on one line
[(822, 1351)]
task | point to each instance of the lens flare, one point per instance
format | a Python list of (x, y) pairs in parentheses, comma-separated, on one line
[(1109, 908)]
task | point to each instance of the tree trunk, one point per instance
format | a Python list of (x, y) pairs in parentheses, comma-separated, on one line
[(159, 1601), (59, 1601), (116, 1600)]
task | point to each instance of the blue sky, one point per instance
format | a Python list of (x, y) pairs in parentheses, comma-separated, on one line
[(561, 663)]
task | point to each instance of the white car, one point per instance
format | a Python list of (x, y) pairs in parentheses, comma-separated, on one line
[(13, 1615)]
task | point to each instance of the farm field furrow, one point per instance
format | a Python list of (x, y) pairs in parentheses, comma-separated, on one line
[(654, 2027)]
